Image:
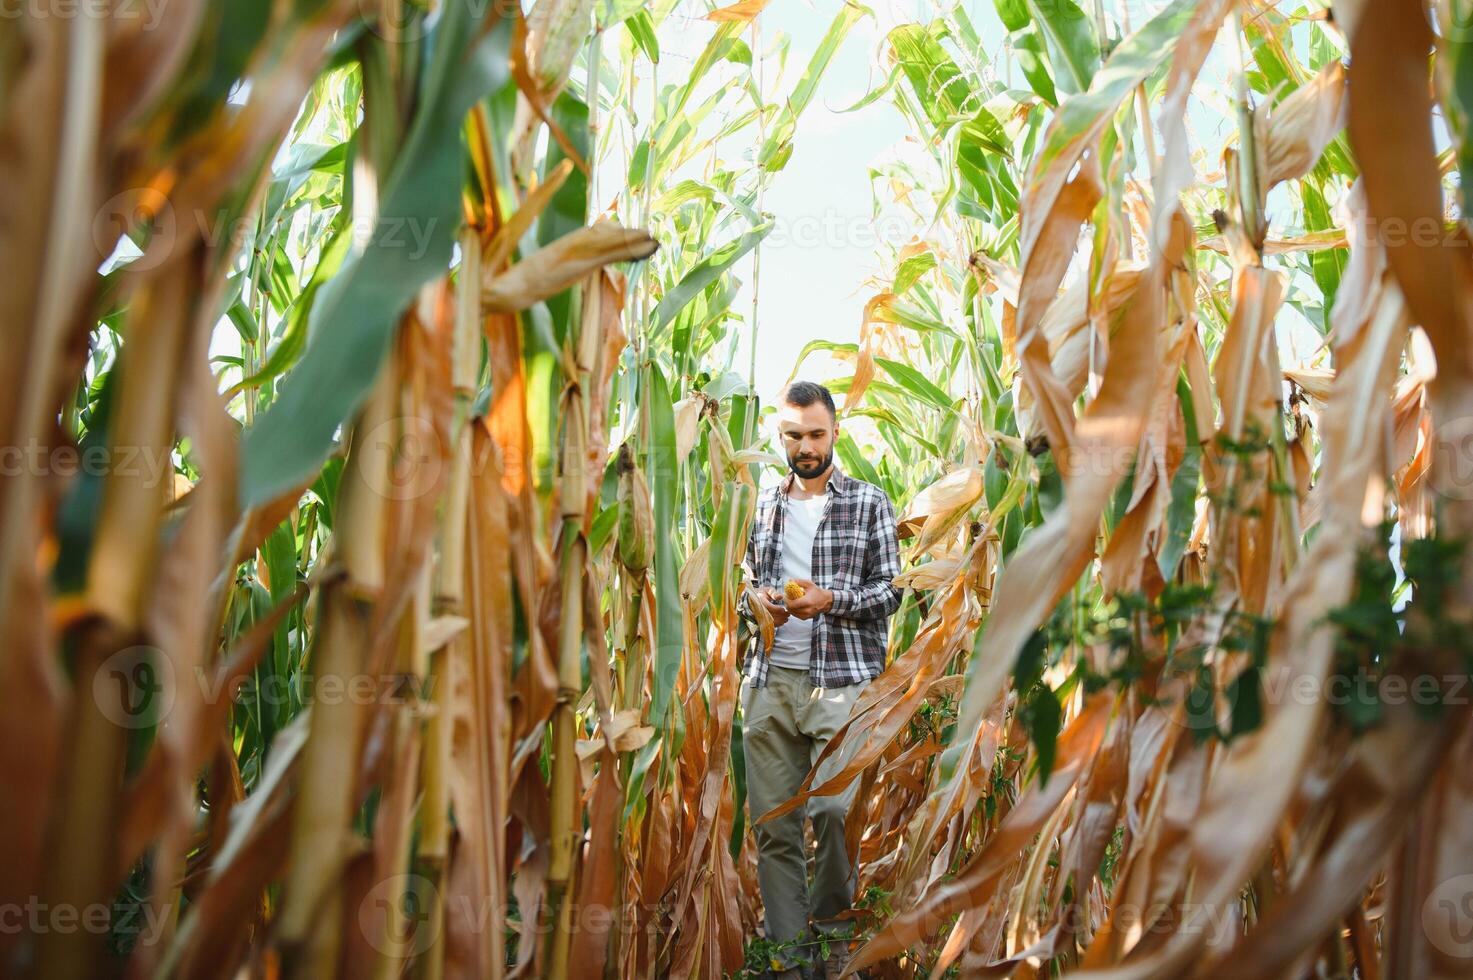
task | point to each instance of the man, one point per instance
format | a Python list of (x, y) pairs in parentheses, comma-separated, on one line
[(835, 537)]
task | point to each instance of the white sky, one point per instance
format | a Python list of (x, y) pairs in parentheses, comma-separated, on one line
[(813, 277), (823, 247)]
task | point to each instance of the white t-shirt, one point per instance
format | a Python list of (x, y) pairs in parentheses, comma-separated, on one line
[(792, 646)]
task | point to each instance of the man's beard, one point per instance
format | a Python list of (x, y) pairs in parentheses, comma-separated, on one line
[(811, 468)]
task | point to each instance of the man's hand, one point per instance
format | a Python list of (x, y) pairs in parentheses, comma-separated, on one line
[(815, 599), (771, 598)]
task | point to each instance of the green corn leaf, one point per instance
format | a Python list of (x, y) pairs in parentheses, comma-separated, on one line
[(779, 144), (1135, 58), (1182, 512), (244, 320), (642, 28), (729, 545), (911, 270), (611, 13), (916, 383), (702, 275), (877, 93), (664, 470), (854, 462), (1071, 40), (1028, 47), (944, 94), (1042, 716), (357, 312)]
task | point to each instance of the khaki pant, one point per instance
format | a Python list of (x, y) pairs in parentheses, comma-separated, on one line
[(785, 726)]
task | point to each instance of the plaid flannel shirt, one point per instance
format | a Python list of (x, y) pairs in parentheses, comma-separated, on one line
[(855, 553)]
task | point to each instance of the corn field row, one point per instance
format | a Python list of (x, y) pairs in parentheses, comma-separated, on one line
[(381, 444)]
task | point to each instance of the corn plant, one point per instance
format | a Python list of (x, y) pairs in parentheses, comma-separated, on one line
[(381, 377), (1134, 528)]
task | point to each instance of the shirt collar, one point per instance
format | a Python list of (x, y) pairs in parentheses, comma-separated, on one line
[(837, 482)]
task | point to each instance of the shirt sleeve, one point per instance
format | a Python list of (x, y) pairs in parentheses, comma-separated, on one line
[(877, 598)]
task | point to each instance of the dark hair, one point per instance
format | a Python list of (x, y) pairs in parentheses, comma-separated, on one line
[(805, 393)]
